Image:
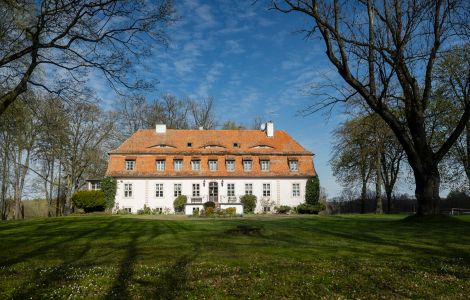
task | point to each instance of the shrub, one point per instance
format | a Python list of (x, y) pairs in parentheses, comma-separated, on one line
[(306, 208), (196, 212), (179, 203), (123, 211), (209, 211), (249, 203), (108, 186), (283, 209), (231, 211), (312, 190), (209, 204), (145, 211), (89, 201)]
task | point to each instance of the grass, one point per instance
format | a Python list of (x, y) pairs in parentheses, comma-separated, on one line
[(126, 257)]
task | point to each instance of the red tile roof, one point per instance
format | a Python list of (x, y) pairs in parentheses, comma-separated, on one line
[(147, 146)]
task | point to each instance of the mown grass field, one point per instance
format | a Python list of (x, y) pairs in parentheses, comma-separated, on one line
[(130, 257)]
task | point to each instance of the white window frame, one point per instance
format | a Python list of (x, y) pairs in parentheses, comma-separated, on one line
[(127, 190), (230, 189), (177, 188), (249, 191), (212, 163), (196, 192), (295, 189), (178, 164), (231, 163), (130, 164), (266, 190), (159, 190), (264, 165), (159, 163), (95, 186), (294, 163), (195, 163), (247, 163)]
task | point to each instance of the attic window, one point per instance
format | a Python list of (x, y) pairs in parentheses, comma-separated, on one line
[(262, 147), (236, 145), (213, 146), (190, 145), (162, 146)]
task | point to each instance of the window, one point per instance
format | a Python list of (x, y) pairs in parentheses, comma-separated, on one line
[(195, 165), (95, 185), (128, 190), (127, 209), (293, 165), (231, 189), (212, 165), (236, 145), (230, 165), (158, 210), (190, 145), (248, 189), (178, 164), (265, 165), (160, 165), (130, 165), (247, 165), (159, 190), (295, 190), (196, 190), (177, 189), (266, 189), (266, 209)]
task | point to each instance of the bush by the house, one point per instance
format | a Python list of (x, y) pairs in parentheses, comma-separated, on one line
[(179, 203), (249, 203), (123, 211), (89, 201), (209, 211), (209, 204), (108, 186), (306, 208), (283, 209), (231, 211)]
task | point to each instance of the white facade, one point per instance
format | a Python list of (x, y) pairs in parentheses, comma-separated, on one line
[(160, 192)]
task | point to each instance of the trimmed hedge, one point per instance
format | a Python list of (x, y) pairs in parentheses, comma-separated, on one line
[(312, 190), (209, 204), (306, 208), (283, 209), (108, 186), (249, 203), (179, 203), (89, 201)]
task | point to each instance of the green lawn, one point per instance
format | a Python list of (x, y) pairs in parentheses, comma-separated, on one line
[(257, 256)]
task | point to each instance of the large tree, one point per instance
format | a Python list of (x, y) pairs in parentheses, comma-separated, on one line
[(65, 39), (386, 52)]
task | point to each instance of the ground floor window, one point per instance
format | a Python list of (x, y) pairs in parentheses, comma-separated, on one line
[(266, 189), (128, 190), (159, 210), (248, 189), (295, 190), (127, 209), (159, 190), (266, 209), (231, 189), (177, 189)]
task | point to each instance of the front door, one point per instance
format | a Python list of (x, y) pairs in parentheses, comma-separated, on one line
[(213, 191)]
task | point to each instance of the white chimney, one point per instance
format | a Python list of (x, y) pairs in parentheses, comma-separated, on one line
[(270, 129), (160, 128), (201, 128)]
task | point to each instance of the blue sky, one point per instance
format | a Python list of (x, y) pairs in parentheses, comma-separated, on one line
[(253, 62)]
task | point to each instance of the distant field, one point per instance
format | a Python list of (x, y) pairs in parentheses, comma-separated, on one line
[(121, 257)]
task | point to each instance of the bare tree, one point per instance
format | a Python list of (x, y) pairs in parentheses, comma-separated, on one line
[(388, 56), (73, 37), (202, 113)]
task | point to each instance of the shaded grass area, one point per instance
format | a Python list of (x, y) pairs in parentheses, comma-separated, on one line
[(128, 257)]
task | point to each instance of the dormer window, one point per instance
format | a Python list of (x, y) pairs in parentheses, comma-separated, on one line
[(130, 165), (230, 165), (247, 165), (236, 145), (190, 145), (212, 165), (178, 164), (264, 165), (160, 164), (293, 165)]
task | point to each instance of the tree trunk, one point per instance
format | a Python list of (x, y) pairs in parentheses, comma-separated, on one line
[(363, 196), (378, 186), (427, 191), (388, 193)]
